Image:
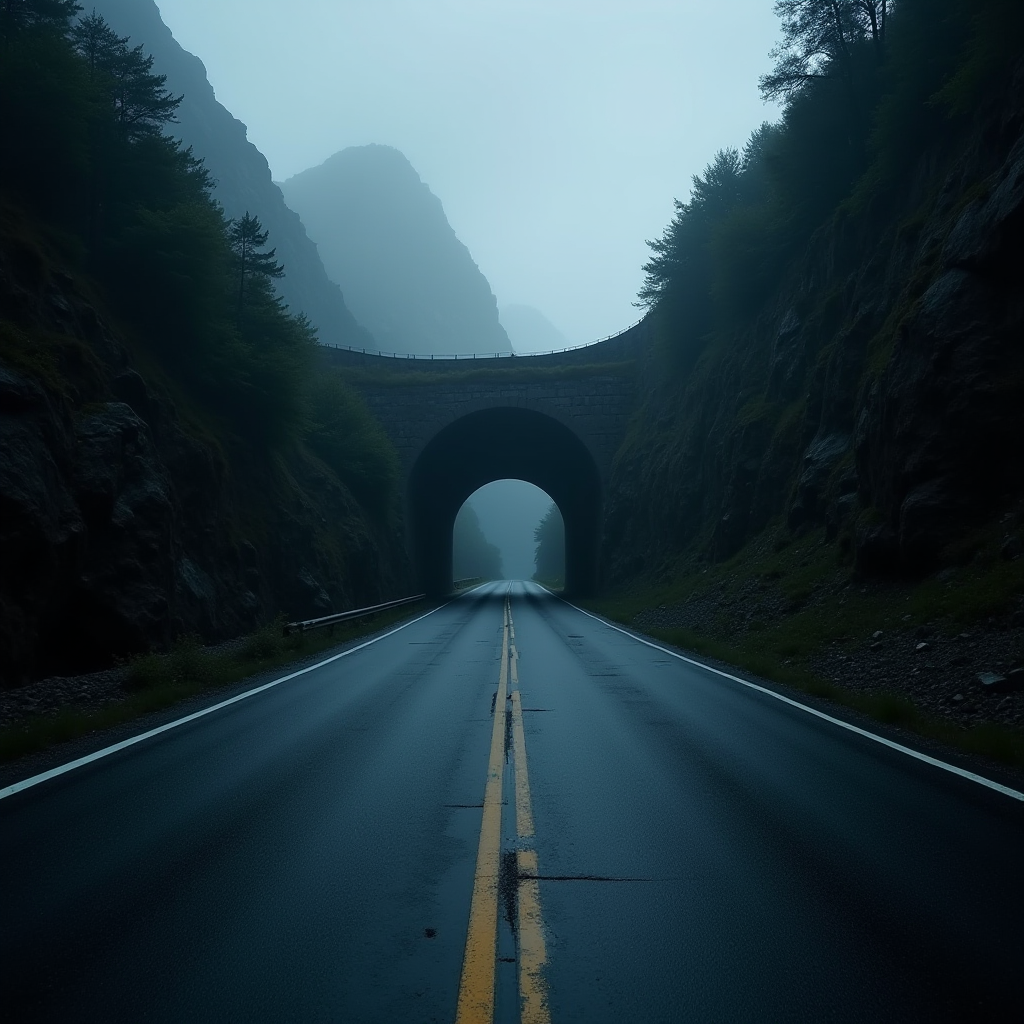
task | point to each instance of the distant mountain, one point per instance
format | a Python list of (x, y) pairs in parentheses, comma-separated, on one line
[(239, 168), (384, 238), (530, 330)]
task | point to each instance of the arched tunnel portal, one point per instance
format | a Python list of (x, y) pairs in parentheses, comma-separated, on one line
[(497, 444)]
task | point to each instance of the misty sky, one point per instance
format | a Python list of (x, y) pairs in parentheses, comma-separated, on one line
[(555, 133), (509, 511)]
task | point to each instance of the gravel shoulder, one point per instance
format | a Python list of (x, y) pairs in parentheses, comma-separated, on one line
[(989, 768)]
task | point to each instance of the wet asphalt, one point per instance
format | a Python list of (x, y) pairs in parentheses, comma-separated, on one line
[(706, 852)]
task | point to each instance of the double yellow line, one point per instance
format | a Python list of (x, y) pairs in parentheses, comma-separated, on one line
[(476, 990)]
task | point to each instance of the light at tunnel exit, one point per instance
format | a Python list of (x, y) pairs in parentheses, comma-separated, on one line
[(509, 513)]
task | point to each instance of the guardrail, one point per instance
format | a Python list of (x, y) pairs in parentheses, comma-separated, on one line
[(356, 613), (485, 355), (462, 584)]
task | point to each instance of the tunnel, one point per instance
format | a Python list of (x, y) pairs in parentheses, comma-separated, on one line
[(498, 444)]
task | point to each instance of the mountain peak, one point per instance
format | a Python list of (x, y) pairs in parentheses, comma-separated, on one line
[(240, 170), (384, 237)]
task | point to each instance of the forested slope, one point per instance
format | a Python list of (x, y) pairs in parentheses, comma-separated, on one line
[(241, 176), (172, 457), (835, 420)]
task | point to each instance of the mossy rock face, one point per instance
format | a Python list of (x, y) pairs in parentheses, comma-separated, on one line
[(898, 326), (60, 362), (128, 500)]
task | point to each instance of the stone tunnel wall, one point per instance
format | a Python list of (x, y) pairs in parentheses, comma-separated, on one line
[(595, 406), (596, 409)]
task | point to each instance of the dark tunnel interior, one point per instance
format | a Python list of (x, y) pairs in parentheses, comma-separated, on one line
[(498, 444)]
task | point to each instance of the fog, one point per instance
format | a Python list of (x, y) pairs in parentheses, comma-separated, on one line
[(509, 512), (556, 134)]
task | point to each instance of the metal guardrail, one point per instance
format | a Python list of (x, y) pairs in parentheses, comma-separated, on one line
[(461, 584), (485, 355), (356, 613)]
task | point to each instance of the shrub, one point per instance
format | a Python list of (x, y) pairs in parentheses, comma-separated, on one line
[(265, 643), (344, 433)]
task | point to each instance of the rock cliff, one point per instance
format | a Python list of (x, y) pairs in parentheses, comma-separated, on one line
[(879, 394), (385, 239), (125, 520), (240, 170)]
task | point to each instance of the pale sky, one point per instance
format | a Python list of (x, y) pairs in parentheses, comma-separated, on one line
[(555, 132)]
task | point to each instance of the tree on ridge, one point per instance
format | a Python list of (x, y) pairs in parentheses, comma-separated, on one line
[(141, 103), (818, 39), (247, 238), (17, 16)]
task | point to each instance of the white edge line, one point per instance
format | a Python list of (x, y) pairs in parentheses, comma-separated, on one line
[(962, 772), (35, 780)]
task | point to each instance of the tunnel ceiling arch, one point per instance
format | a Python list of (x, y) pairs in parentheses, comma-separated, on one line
[(498, 444)]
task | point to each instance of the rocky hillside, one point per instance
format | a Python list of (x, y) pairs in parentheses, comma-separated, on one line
[(879, 394), (833, 491), (384, 238), (128, 516), (241, 172)]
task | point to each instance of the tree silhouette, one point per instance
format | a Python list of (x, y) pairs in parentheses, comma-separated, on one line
[(97, 43), (247, 238), (141, 103), (818, 40), (17, 16), (550, 552)]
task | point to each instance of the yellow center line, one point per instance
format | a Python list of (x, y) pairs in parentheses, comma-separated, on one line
[(524, 806), (476, 989), (533, 989)]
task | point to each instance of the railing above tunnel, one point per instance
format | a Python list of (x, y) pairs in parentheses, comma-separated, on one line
[(463, 356)]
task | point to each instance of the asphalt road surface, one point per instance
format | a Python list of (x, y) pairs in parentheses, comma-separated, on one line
[(510, 810)]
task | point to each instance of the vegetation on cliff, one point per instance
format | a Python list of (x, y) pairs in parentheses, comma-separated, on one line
[(126, 203), (838, 367), (172, 459), (240, 172), (867, 94), (822, 292), (87, 118)]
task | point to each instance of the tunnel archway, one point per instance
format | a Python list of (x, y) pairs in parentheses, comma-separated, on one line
[(497, 444)]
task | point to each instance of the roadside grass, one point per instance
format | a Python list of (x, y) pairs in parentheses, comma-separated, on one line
[(989, 739), (843, 615), (554, 583), (158, 681)]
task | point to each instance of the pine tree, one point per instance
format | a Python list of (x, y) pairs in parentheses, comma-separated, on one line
[(141, 103), (549, 557), (818, 40), (247, 238), (17, 16), (97, 43)]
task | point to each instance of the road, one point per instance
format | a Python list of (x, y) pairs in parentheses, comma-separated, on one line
[(510, 810)]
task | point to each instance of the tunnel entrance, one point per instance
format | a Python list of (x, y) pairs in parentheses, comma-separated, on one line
[(499, 444)]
